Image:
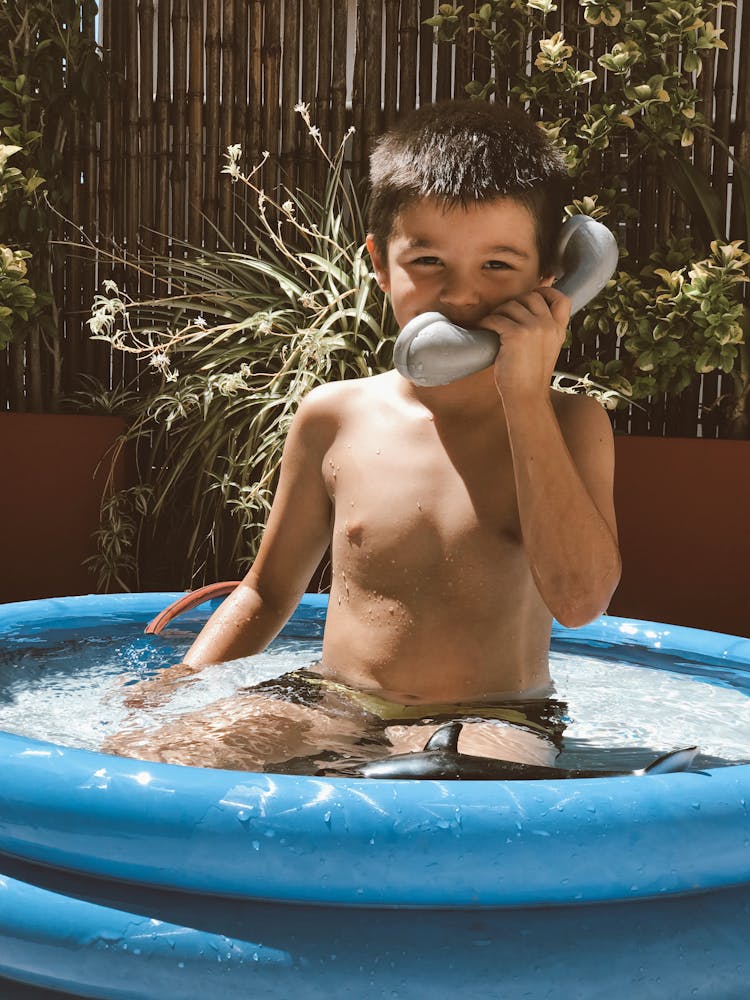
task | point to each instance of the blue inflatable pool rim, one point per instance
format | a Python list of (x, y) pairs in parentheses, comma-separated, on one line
[(373, 842)]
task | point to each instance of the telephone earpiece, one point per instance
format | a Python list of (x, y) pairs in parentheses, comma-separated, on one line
[(431, 351), (587, 256)]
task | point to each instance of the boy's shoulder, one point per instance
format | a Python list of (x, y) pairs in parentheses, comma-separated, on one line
[(327, 407), (581, 418), (333, 396)]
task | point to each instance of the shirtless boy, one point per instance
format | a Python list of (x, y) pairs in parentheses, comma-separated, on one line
[(461, 518)]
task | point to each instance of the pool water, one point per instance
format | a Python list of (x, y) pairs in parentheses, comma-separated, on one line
[(67, 687)]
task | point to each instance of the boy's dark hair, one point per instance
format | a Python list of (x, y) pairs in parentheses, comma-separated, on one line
[(463, 152)]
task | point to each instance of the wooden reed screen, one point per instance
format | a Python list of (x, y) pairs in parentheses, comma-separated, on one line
[(191, 77)]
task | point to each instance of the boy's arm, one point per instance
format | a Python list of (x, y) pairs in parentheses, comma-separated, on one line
[(563, 468), (564, 475), (294, 541)]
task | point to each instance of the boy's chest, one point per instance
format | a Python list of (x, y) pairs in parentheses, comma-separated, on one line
[(408, 491)]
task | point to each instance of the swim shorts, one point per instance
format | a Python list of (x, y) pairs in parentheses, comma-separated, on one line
[(545, 717)]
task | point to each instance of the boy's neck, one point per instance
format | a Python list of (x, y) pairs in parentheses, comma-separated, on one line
[(474, 397)]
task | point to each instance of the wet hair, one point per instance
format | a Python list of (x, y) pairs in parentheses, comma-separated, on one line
[(461, 152)]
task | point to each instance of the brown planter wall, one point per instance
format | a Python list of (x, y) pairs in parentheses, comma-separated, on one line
[(682, 509), (49, 501)]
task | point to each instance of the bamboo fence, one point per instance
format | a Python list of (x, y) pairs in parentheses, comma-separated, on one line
[(191, 77)]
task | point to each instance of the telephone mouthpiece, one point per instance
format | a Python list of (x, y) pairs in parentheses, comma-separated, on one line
[(430, 350)]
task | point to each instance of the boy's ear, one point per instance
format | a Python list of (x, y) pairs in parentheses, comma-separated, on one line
[(378, 264)]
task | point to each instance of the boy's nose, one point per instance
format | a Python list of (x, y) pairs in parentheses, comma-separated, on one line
[(460, 301)]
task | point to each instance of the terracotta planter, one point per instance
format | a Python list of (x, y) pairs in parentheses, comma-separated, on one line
[(682, 510), (49, 501)]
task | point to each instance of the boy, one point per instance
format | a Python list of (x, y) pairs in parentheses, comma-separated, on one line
[(461, 518)]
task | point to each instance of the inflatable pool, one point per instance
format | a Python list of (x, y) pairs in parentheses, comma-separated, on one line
[(121, 878)]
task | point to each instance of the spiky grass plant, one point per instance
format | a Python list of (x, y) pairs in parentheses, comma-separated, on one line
[(233, 345)]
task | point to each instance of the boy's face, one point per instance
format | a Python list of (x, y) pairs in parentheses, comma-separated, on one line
[(461, 261)]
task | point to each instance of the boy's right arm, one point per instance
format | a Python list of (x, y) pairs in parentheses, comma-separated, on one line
[(294, 541)]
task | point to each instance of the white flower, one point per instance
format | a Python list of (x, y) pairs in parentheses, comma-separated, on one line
[(229, 383), (232, 167), (98, 323), (110, 286), (314, 132), (160, 361), (288, 207), (233, 170), (200, 321), (302, 109)]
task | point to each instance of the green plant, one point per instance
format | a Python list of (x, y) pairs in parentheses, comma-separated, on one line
[(18, 300), (683, 315), (51, 73), (653, 55), (679, 313), (233, 343), (96, 398), (728, 344), (674, 320)]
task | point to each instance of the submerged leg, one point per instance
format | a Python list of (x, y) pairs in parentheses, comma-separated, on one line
[(483, 738), (247, 732)]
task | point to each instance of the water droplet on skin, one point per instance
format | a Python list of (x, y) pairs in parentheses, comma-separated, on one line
[(377, 451)]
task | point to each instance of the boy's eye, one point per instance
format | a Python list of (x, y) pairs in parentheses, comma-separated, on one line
[(497, 265), (427, 261)]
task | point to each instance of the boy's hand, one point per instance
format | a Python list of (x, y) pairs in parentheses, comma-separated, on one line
[(153, 692), (532, 330)]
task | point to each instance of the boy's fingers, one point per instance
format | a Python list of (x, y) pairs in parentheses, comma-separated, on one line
[(539, 301), (558, 302), (156, 690)]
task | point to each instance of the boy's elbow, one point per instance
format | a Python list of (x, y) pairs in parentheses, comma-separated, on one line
[(577, 616), (589, 602)]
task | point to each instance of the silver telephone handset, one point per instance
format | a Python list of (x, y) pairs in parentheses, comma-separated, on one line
[(431, 351)]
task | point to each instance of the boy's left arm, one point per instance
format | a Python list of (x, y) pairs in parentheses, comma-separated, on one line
[(563, 463)]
